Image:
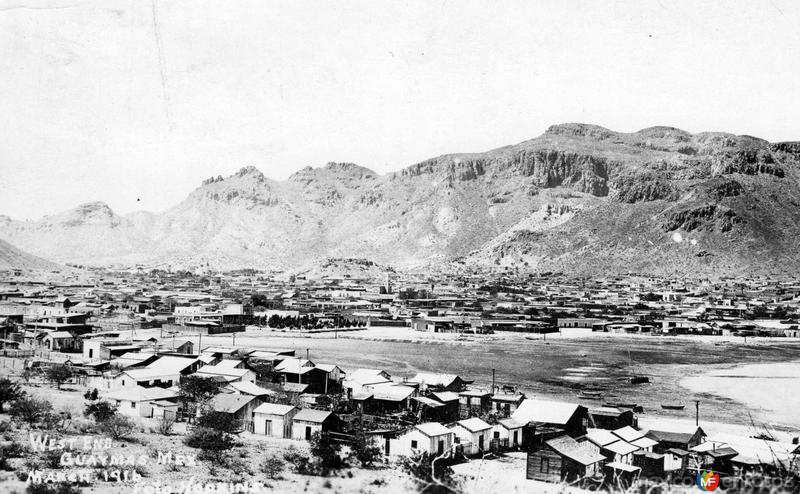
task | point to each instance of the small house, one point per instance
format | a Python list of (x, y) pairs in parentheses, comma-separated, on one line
[(429, 437), (563, 459), (473, 435), (308, 421), (274, 420)]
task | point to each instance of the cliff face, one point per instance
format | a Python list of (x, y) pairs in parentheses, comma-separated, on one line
[(579, 198)]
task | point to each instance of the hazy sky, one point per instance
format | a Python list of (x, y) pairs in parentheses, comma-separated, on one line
[(118, 100)]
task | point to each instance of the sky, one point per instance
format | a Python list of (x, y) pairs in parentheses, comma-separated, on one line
[(135, 102)]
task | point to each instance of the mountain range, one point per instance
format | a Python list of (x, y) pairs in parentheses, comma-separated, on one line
[(579, 199)]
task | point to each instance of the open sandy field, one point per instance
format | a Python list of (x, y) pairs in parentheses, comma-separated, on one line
[(561, 366), (773, 389)]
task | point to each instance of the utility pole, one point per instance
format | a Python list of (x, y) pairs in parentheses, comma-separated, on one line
[(492, 381), (697, 412), (307, 354)]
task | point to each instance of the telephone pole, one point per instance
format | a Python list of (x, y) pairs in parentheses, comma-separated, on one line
[(697, 412)]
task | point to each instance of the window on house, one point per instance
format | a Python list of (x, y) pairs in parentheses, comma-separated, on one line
[(413, 444), (133, 404), (544, 467)]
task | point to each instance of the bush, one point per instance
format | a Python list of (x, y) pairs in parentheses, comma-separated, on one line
[(365, 450), (301, 463), (51, 458), (273, 467), (61, 488), (118, 427), (4, 464), (9, 391), (326, 453), (165, 424), (14, 450), (211, 442), (100, 410), (91, 395), (30, 409), (219, 421)]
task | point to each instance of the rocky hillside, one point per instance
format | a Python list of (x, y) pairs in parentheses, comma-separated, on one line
[(579, 198), (13, 258)]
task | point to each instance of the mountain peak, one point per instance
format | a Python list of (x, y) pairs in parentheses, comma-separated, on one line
[(249, 171), (350, 169), (581, 130)]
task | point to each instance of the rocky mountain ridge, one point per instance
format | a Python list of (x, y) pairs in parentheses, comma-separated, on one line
[(579, 198)]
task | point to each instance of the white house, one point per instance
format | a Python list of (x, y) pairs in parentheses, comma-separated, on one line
[(230, 370), (508, 431), (474, 434), (429, 437), (274, 420), (138, 401), (309, 421)]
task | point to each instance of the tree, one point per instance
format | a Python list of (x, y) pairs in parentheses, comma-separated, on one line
[(101, 410), (9, 391), (326, 453), (59, 374), (198, 388), (264, 371), (365, 450), (30, 409), (118, 427)]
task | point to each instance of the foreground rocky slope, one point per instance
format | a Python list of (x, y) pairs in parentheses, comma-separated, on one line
[(579, 198)]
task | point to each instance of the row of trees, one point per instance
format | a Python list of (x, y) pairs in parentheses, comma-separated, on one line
[(309, 321)]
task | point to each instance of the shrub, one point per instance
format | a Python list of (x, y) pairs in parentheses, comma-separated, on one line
[(51, 458), (4, 464), (91, 395), (301, 463), (30, 409), (100, 410), (219, 421), (326, 453), (118, 427), (211, 442), (61, 488), (365, 450), (14, 450), (165, 424), (9, 391), (273, 467)]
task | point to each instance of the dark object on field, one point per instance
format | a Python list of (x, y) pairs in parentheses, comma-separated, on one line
[(672, 406), (639, 380)]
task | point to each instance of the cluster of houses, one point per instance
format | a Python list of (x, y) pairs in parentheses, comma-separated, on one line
[(438, 414), (278, 394), (59, 317)]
